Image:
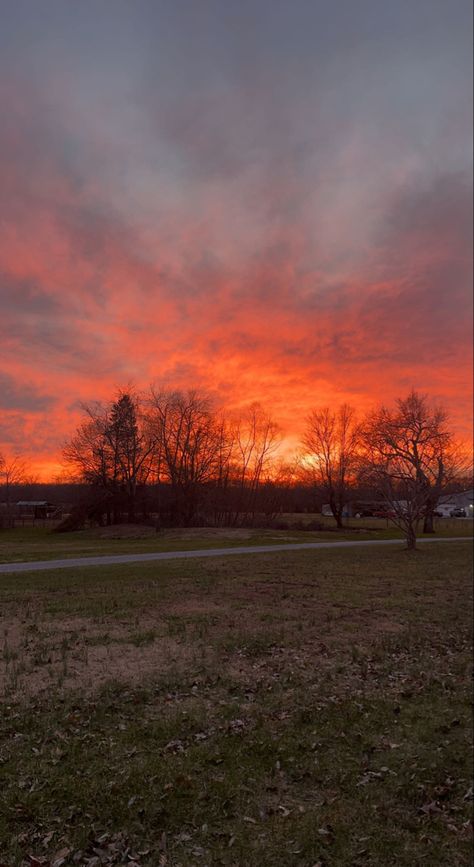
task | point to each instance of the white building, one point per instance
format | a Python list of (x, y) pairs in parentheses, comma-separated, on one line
[(450, 502)]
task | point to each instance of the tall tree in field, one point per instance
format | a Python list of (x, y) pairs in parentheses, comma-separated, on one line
[(189, 444), (256, 437), (131, 446), (407, 454), (13, 471), (331, 448), (112, 450), (87, 453), (454, 469)]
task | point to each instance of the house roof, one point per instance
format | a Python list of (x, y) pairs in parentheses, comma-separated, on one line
[(463, 497)]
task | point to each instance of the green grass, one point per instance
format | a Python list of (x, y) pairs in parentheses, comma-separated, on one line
[(284, 709), (39, 543)]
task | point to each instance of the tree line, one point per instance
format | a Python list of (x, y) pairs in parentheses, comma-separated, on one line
[(210, 465), (199, 462), (174, 457)]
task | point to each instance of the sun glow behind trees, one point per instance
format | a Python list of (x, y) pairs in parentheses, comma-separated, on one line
[(224, 467)]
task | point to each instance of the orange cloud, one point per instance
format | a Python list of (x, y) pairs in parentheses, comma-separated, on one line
[(95, 296)]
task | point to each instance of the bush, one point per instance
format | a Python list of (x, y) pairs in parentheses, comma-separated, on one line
[(6, 522), (315, 525), (74, 521)]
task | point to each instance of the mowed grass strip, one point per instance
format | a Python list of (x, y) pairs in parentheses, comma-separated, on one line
[(22, 544), (281, 709)]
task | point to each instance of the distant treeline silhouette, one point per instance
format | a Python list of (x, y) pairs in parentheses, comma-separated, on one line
[(173, 458)]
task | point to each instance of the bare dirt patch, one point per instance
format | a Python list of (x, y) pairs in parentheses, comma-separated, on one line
[(126, 531), (78, 653), (209, 533)]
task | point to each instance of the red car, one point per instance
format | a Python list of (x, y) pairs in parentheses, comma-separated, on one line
[(385, 513)]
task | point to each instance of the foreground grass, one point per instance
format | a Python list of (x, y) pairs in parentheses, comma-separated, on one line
[(291, 709), (40, 543)]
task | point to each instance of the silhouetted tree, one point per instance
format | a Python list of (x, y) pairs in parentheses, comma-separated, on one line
[(256, 437), (189, 445), (113, 450), (13, 471), (405, 459), (331, 445), (132, 445)]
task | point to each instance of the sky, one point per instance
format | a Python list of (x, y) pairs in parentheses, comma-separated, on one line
[(267, 200)]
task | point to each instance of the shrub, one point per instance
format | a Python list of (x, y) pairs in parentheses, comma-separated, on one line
[(74, 521), (315, 525)]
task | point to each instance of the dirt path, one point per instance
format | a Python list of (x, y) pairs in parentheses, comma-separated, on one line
[(118, 559)]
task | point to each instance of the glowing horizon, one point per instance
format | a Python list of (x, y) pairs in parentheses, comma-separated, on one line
[(271, 202)]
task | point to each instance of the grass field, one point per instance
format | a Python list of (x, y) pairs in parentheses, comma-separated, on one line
[(299, 709), (39, 543)]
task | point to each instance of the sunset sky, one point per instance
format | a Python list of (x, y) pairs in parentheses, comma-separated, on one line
[(270, 200)]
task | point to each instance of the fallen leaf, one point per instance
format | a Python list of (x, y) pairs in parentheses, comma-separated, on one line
[(59, 858), (430, 808)]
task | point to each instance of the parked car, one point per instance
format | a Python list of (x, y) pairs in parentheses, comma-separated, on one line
[(438, 514), (458, 513), (385, 513)]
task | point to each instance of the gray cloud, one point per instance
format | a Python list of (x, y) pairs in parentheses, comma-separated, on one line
[(191, 180), (23, 396)]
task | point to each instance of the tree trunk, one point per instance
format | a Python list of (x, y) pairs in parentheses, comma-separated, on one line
[(411, 538), (337, 513), (131, 507), (428, 523)]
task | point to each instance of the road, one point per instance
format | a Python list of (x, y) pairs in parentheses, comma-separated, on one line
[(119, 559)]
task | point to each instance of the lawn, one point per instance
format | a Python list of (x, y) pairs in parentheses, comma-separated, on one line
[(40, 543), (279, 710)]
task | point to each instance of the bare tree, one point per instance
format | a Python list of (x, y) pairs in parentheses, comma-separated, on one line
[(256, 437), (406, 451), (87, 453), (189, 445), (220, 492), (112, 450), (331, 443), (13, 471), (132, 444), (453, 467)]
